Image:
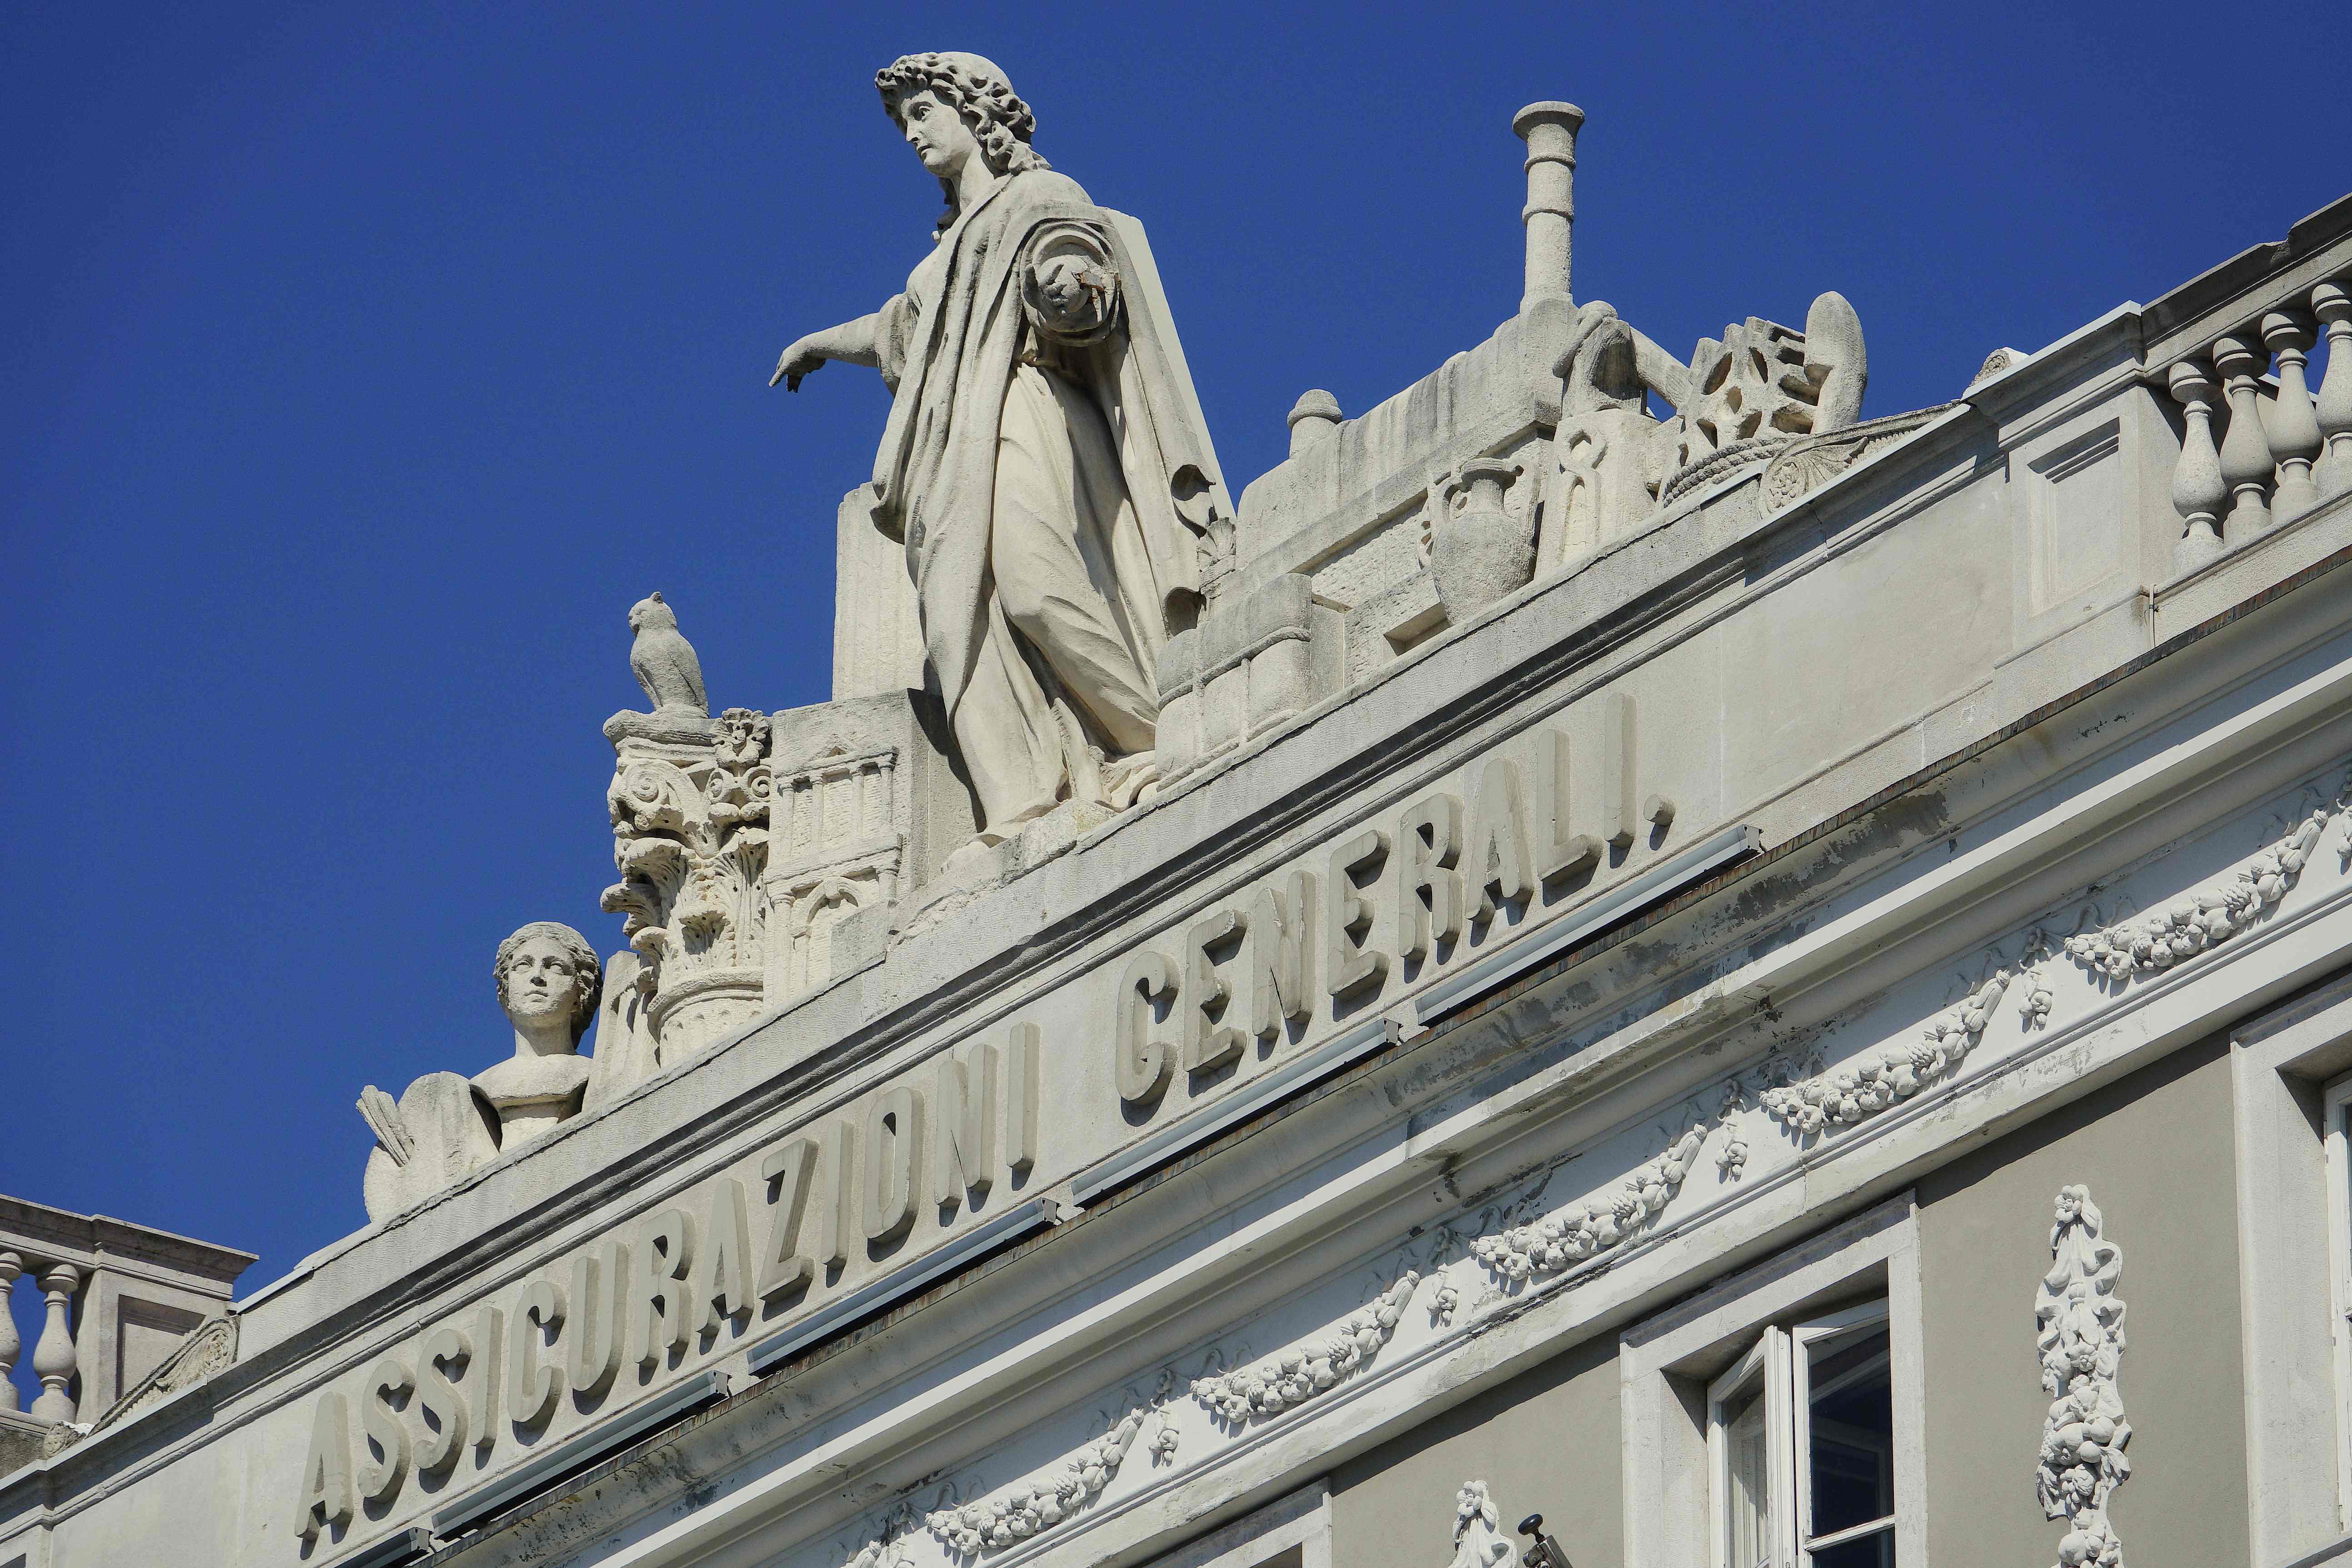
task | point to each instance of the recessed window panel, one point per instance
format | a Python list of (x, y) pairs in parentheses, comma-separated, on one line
[(1748, 1507), (1851, 1416)]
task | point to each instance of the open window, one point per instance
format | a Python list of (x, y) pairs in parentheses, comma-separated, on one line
[(1776, 1420), (1800, 1444)]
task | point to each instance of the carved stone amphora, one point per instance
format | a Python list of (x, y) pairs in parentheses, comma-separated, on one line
[(1477, 552)]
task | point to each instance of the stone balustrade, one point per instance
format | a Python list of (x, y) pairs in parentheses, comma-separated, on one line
[(2260, 443), (55, 1362), (114, 1299)]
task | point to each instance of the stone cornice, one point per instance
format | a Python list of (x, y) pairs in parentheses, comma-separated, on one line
[(2022, 1076), (1585, 1083)]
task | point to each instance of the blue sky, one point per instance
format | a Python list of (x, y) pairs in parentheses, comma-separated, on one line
[(365, 363)]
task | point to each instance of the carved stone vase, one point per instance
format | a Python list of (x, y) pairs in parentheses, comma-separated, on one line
[(1478, 551)]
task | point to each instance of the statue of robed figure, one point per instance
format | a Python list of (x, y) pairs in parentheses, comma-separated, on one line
[(1046, 465)]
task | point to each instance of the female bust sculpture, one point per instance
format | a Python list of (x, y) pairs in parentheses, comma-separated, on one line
[(444, 1126), (1044, 463), (546, 976)]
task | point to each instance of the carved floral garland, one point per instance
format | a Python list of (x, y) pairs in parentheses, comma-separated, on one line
[(1560, 1241), (887, 1548), (1869, 1084), (1273, 1386), (2205, 918), (2079, 1334), (977, 1528)]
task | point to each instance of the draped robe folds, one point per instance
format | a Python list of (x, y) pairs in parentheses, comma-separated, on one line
[(1048, 490)]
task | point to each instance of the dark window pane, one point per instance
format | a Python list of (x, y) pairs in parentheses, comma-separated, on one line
[(1873, 1551), (1747, 1508), (1852, 1422)]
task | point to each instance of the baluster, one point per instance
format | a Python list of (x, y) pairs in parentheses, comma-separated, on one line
[(53, 1356), (2292, 429), (2332, 302), (2198, 492), (2245, 454), (11, 1344)]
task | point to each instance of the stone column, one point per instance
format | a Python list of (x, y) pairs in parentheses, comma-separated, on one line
[(1549, 131), (2293, 429), (2197, 493), (11, 1345), (53, 1356), (2245, 451)]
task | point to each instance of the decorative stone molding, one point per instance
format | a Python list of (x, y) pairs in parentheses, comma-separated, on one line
[(690, 838), (886, 1547), (1264, 1390), (1733, 1157), (977, 1528), (1478, 1538), (2204, 916), (2079, 1334), (838, 851), (1558, 1242), (1798, 470), (2035, 1005), (1863, 1087), (210, 1348), (1995, 362), (1443, 1302), (1250, 666)]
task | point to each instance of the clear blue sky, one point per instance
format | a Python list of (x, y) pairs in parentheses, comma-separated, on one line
[(365, 363)]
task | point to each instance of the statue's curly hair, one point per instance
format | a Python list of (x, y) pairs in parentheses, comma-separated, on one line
[(586, 968), (975, 88)]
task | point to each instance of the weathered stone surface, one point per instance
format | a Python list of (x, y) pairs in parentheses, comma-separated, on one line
[(1544, 970), (1044, 464)]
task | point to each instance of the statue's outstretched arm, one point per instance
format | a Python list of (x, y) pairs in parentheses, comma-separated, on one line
[(852, 342)]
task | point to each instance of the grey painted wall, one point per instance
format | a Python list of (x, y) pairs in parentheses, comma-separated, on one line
[(1546, 1442), (2156, 1151)]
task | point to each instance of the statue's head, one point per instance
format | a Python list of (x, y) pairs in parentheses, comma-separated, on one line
[(975, 88), (546, 971), (650, 610)]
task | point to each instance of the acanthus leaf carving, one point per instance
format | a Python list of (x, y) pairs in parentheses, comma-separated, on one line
[(691, 837), (1261, 1392), (2079, 1334)]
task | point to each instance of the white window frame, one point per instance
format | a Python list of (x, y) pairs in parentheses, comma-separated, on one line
[(1780, 1359), (2335, 1099), (1767, 1359), (1671, 1374), (1300, 1522), (2289, 1068)]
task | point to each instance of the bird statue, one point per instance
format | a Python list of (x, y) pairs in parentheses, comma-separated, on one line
[(663, 660)]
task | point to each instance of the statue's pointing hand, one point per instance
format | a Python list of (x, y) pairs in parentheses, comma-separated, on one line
[(797, 361)]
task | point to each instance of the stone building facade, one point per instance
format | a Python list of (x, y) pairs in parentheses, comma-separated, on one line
[(1768, 986)]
